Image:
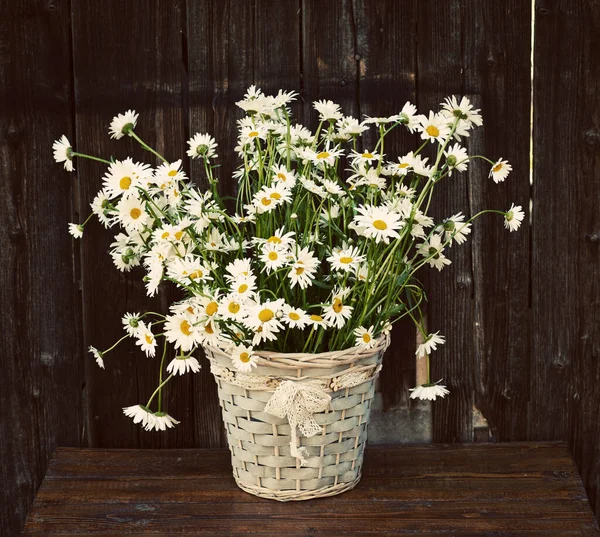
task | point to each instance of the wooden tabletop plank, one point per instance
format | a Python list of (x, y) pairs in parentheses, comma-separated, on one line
[(504, 489)]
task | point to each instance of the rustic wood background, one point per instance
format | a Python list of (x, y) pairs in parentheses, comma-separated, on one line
[(520, 311)]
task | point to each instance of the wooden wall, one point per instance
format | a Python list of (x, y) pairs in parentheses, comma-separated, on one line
[(521, 311)]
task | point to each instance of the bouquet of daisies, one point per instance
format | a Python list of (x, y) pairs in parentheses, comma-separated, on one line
[(320, 249)]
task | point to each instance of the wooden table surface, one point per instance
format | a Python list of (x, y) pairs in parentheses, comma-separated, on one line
[(466, 490)]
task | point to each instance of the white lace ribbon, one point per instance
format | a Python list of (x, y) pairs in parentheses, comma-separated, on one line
[(297, 402)]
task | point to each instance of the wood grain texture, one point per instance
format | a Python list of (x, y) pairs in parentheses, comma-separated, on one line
[(117, 66), (509, 490), (565, 231), (39, 330)]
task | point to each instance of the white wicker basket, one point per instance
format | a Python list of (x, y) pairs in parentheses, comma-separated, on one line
[(286, 452)]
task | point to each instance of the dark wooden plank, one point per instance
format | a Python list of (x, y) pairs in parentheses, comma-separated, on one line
[(449, 311), (119, 65), (39, 314), (497, 67), (566, 188)]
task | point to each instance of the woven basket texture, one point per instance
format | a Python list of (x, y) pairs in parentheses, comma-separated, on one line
[(260, 442)]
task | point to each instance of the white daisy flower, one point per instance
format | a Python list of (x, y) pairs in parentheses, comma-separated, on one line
[(463, 110), (378, 223), (328, 110), (244, 287), (283, 175), (428, 392), (76, 230), (233, 308), (380, 120), (273, 256), (333, 188), (349, 126), (140, 414), (401, 168), (132, 213), (182, 364), (124, 176), (419, 166), (337, 313), (295, 317), (97, 356), (456, 159), (238, 267), (500, 170), (455, 229), (250, 134), (146, 339), (366, 156), (161, 421), (513, 217), (316, 321), (202, 146), (408, 116), (180, 330), (279, 238), (167, 174), (346, 259), (100, 207), (311, 186), (327, 156), (364, 337), (243, 358), (362, 272), (63, 152), (131, 323), (430, 344), (264, 316), (188, 269), (303, 270), (432, 251), (123, 124), (434, 127)]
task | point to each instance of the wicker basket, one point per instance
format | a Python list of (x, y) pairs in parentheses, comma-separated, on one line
[(297, 424)]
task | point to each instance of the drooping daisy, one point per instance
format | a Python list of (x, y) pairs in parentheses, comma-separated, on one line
[(243, 358), (513, 217), (304, 268), (328, 110), (295, 317), (101, 208), (131, 323), (346, 259), (202, 146), (132, 213), (462, 110), (123, 124), (408, 116), (182, 364), (365, 337), (430, 344), (146, 339), (140, 414), (435, 127), (180, 330), (500, 170), (456, 159), (455, 229), (97, 356), (161, 421), (378, 223), (429, 392), (76, 230), (63, 152), (432, 250), (338, 312)]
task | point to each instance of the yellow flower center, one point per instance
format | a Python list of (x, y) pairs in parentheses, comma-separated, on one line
[(316, 318), (209, 329), (190, 309), (185, 328), (276, 195), (244, 357), (337, 305), (497, 167), (253, 134), (266, 201), (196, 274), (242, 288), (322, 155), (380, 225), (346, 260), (233, 307), (125, 183), (178, 235), (367, 155), (281, 177), (172, 173), (266, 315), (273, 239), (294, 316), (403, 165), (366, 337), (273, 256), (149, 339), (135, 213), (299, 270), (212, 308), (165, 235), (433, 131)]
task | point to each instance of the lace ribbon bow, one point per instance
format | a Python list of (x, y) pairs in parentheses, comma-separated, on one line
[(298, 402)]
